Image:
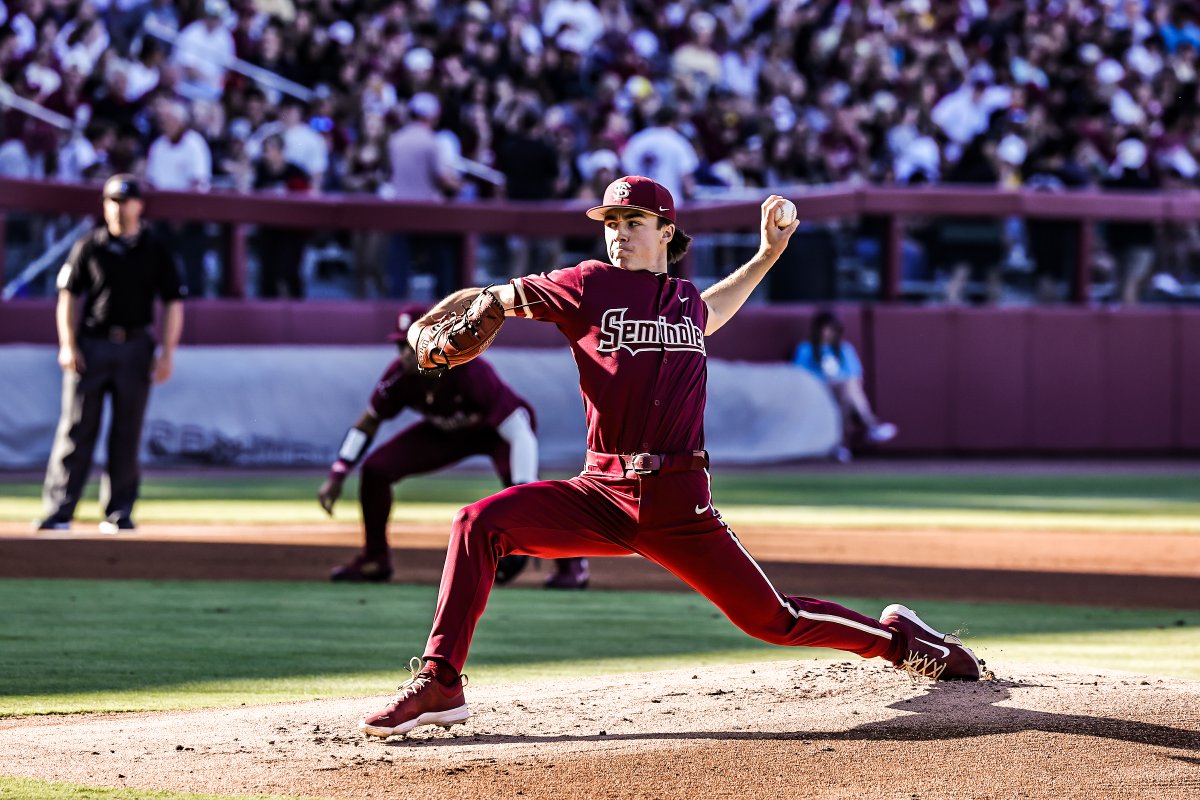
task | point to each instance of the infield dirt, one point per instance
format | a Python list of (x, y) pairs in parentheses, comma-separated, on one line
[(782, 729)]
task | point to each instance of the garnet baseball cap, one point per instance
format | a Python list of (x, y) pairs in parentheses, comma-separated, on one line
[(122, 187), (634, 191), (404, 321)]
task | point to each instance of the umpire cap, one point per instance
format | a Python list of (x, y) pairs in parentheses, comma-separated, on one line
[(122, 187)]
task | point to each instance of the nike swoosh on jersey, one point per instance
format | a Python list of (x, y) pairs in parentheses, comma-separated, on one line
[(702, 509), (684, 299), (945, 650)]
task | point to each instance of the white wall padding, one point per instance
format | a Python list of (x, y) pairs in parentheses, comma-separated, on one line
[(290, 406)]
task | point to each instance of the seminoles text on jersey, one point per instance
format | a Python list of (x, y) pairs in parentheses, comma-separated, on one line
[(636, 335)]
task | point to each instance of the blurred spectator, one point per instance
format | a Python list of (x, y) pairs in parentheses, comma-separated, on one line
[(367, 172), (85, 155), (421, 172), (664, 155), (835, 361), (972, 247), (1131, 243), (765, 94), (280, 249), (203, 50), (1053, 242), (180, 160), (530, 166)]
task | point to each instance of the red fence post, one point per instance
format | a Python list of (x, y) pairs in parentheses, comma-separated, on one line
[(468, 261), (891, 252), (1081, 283), (235, 270), (3, 247)]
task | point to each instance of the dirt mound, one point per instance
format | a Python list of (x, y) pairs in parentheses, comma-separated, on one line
[(796, 729)]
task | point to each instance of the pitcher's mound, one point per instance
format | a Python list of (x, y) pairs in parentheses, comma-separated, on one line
[(779, 729)]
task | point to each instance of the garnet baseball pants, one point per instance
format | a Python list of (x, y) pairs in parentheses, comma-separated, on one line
[(666, 518), (416, 450)]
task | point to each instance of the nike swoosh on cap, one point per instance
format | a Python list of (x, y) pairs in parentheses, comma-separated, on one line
[(660, 208)]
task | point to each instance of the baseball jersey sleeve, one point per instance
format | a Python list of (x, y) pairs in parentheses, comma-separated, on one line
[(488, 392), (387, 399), (550, 296), (74, 276)]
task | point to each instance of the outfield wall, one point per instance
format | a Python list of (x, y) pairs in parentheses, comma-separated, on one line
[(956, 380), (290, 406)]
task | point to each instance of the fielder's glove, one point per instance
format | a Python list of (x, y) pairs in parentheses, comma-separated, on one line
[(459, 337)]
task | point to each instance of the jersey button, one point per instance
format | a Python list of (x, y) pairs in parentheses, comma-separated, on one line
[(656, 402)]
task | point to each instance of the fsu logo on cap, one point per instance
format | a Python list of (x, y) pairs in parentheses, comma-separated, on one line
[(621, 190)]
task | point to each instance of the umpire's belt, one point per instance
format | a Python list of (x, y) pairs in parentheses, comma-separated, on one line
[(646, 463), (115, 333)]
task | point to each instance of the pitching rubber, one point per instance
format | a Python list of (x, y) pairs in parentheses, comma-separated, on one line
[(453, 716)]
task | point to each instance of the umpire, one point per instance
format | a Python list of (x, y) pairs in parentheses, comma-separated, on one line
[(105, 311)]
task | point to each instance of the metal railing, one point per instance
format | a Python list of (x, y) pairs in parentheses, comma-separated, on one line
[(886, 208)]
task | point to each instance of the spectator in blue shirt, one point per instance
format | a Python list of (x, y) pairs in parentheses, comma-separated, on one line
[(836, 362)]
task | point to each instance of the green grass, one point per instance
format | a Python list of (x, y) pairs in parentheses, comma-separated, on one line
[(779, 498), (26, 789), (69, 646)]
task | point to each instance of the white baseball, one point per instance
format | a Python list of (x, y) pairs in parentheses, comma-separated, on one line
[(785, 215)]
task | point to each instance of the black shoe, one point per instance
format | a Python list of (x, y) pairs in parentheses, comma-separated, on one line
[(363, 570), (509, 567), (115, 525), (52, 524)]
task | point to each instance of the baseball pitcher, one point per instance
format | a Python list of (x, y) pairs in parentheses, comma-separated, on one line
[(638, 338)]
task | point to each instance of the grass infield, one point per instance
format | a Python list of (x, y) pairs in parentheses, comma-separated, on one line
[(1130, 502), (25, 789), (79, 646)]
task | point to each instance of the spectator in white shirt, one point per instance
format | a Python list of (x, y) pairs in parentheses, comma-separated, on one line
[(203, 50), (302, 145), (180, 160), (580, 15), (664, 155)]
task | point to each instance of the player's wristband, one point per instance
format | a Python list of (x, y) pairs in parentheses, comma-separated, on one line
[(354, 447)]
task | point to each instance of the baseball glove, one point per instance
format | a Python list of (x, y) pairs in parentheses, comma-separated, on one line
[(459, 337)]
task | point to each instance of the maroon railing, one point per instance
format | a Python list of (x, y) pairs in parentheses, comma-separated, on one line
[(891, 206)]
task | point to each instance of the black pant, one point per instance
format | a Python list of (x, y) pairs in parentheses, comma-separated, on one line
[(120, 370)]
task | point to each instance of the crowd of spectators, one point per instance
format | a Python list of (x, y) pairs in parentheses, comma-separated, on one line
[(562, 95)]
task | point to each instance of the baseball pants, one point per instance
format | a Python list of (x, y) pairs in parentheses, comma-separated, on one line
[(418, 449), (667, 518), (120, 370)]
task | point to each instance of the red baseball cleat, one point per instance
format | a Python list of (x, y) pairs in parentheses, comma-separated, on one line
[(928, 653), (570, 573), (363, 570), (423, 700)]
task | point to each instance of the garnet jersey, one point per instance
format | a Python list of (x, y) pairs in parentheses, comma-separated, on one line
[(638, 340), (471, 395)]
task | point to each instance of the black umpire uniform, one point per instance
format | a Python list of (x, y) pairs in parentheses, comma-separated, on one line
[(111, 281)]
